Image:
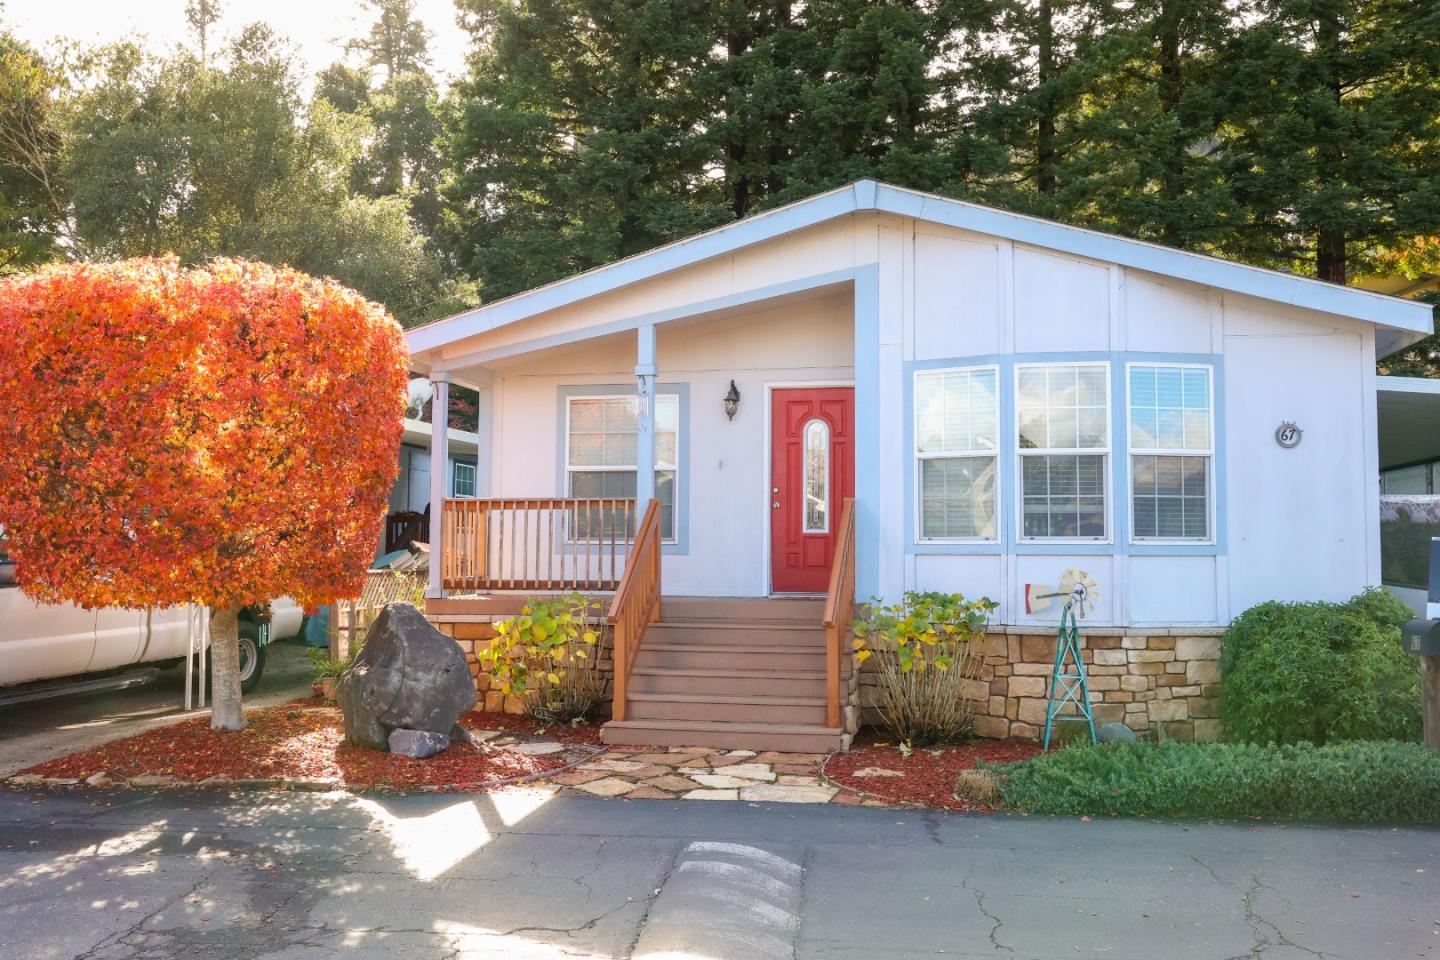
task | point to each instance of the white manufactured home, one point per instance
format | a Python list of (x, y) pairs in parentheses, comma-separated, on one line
[(1001, 398)]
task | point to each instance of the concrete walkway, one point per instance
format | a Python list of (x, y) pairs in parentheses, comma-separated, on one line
[(523, 874)]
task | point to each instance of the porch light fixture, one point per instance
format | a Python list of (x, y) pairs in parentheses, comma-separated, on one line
[(732, 401)]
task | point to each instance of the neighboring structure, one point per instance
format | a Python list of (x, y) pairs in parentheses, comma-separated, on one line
[(1003, 398), (408, 517)]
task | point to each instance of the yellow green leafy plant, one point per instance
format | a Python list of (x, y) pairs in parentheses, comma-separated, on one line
[(549, 655), (929, 650)]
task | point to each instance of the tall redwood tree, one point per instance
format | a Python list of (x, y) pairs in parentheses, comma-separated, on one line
[(219, 435)]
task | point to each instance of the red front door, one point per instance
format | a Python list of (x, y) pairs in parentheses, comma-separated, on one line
[(812, 471)]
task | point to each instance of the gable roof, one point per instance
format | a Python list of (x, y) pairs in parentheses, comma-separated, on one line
[(871, 195)]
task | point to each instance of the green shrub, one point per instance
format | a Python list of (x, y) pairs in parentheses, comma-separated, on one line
[(1380, 781), (1320, 672)]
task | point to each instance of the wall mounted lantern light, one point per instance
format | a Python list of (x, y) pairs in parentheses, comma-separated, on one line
[(732, 401)]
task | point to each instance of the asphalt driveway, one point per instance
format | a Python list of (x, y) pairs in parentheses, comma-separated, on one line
[(40, 730), (523, 874)]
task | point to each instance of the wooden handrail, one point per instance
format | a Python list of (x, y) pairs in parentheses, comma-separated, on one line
[(637, 602), (839, 609), (543, 543)]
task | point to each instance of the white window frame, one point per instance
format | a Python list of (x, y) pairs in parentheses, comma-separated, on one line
[(674, 468), (455, 467), (1131, 452), (919, 458), (1106, 453)]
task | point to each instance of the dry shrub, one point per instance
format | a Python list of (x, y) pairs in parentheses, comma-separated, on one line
[(928, 650), (979, 786)]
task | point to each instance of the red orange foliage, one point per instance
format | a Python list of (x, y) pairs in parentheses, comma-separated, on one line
[(219, 435)]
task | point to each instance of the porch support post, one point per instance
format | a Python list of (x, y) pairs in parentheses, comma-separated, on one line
[(439, 478), (645, 420)]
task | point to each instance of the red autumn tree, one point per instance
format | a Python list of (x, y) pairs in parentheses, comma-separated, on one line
[(219, 435)]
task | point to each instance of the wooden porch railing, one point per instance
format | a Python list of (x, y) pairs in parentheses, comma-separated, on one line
[(636, 604), (404, 528), (539, 544), (839, 610)]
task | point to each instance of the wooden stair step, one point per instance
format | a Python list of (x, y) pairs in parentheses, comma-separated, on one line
[(726, 708), (779, 737), (747, 632), (726, 655), (807, 609), (734, 681)]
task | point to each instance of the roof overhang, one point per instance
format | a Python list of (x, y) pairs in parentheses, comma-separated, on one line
[(1408, 409), (417, 434), (1409, 320)]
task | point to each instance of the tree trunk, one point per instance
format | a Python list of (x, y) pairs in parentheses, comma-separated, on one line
[(1172, 187), (1045, 179), (226, 712), (1430, 698), (1330, 262)]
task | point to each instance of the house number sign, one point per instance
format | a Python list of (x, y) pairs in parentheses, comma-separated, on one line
[(1288, 435)]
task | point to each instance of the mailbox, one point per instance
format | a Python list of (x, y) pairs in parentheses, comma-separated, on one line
[(1422, 637)]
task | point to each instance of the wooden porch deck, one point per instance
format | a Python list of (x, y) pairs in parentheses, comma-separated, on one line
[(764, 673)]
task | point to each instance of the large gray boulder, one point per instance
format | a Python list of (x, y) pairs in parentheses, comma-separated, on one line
[(408, 676)]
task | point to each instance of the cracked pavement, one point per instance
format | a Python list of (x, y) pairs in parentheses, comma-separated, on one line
[(134, 875)]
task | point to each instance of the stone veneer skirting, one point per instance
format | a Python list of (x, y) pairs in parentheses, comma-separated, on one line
[(1145, 678)]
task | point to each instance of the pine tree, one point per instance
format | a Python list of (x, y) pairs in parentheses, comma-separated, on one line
[(1142, 154), (578, 136), (1332, 143)]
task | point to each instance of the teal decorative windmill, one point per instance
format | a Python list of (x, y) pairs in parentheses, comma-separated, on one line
[(1068, 684)]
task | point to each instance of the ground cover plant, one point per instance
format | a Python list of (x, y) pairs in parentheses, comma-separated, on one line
[(1320, 672), (1356, 781), (926, 651)]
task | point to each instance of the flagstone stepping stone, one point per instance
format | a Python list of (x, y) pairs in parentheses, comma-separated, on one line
[(573, 778), (740, 753), (690, 751), (615, 766), (661, 759), (720, 780), (539, 749), (876, 772), (774, 793), (711, 795), (671, 782), (792, 780), (751, 771), (608, 787), (648, 793), (772, 757)]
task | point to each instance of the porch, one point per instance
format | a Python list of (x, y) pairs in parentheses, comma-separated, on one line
[(762, 673)]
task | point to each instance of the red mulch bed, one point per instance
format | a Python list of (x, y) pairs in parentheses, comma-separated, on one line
[(927, 775), (298, 742), (519, 725)]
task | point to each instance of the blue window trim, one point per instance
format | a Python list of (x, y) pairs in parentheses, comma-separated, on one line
[(1008, 486), (681, 545)]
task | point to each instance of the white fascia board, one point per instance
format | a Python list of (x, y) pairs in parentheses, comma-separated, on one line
[(1138, 254), (642, 266)]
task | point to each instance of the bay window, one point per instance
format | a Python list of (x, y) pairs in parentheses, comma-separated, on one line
[(957, 429), (1172, 451), (1063, 441)]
